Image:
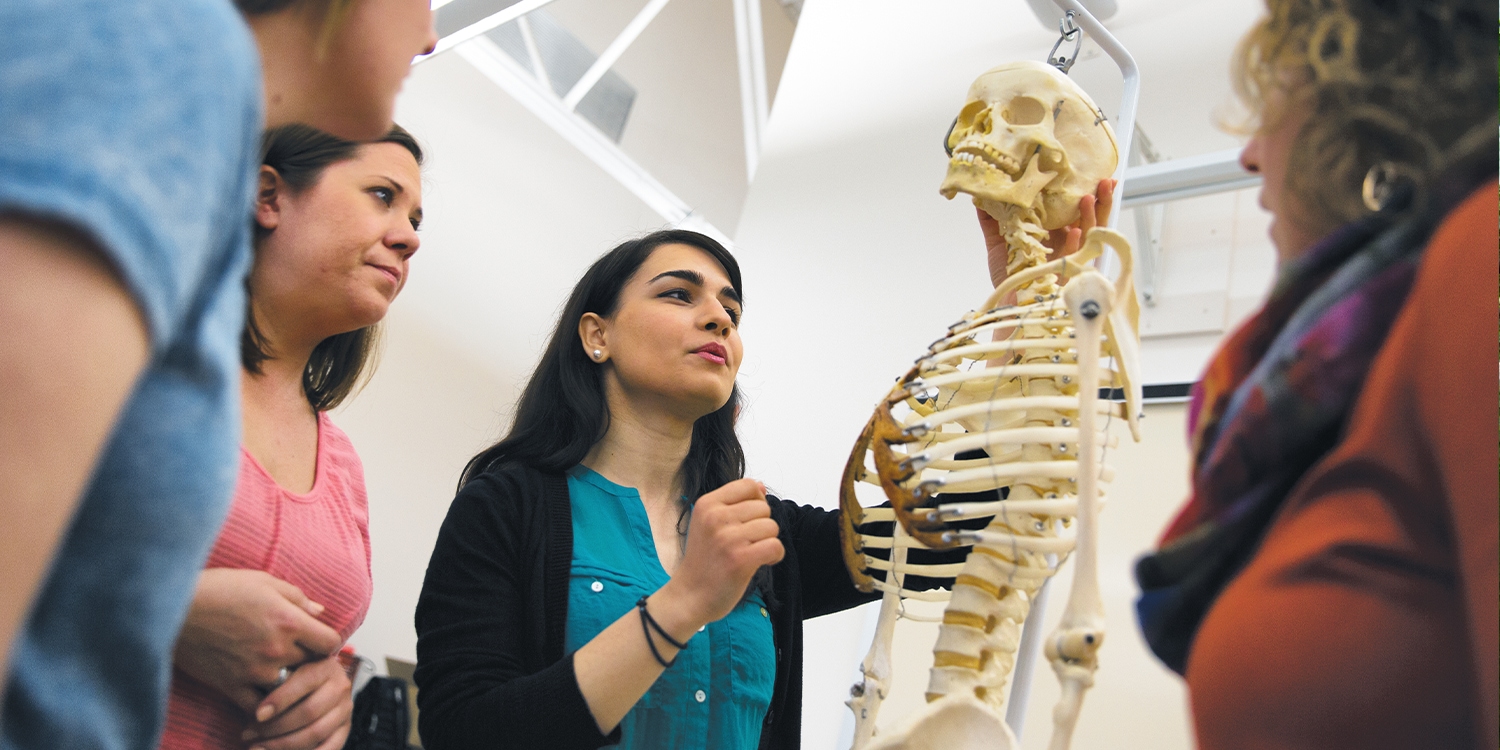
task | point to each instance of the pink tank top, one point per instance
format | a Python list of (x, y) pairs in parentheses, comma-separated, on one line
[(319, 542)]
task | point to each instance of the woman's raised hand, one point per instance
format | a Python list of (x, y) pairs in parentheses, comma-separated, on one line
[(730, 536), (1093, 211), (243, 627)]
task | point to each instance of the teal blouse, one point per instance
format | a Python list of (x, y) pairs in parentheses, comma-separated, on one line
[(717, 693)]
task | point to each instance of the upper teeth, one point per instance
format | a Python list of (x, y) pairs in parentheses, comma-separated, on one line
[(994, 160)]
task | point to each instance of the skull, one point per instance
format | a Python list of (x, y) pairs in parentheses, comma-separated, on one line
[(1029, 137)]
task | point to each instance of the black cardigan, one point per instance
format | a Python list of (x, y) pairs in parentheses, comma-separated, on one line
[(491, 671)]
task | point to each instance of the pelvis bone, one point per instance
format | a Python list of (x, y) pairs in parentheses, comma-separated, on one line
[(1006, 402)]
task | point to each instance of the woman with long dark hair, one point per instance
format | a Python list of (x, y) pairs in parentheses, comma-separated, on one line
[(611, 534)]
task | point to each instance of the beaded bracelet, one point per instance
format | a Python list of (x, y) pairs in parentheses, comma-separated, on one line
[(649, 623)]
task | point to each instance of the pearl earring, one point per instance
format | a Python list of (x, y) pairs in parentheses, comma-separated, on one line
[(598, 354)]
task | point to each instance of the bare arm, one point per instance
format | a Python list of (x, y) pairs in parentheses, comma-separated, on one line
[(72, 343)]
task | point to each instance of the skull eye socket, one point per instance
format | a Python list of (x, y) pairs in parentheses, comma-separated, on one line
[(1024, 110)]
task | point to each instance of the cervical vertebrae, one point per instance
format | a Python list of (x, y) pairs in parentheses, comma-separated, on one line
[(1006, 402)]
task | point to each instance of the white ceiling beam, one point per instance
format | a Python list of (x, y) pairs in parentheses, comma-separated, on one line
[(750, 44), (538, 68), (494, 64), (612, 53), (492, 21)]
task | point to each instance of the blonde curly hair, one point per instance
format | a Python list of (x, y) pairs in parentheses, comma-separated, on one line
[(1393, 82)]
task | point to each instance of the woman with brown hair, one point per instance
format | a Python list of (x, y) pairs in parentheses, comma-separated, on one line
[(1332, 580), (289, 577)]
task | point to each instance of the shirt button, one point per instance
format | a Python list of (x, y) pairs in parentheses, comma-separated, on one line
[(701, 628), (763, 612), (596, 587), (700, 696)]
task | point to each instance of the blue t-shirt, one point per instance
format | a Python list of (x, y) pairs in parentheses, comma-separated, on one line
[(717, 692), (136, 122)]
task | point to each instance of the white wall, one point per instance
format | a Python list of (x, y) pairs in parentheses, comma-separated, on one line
[(852, 264)]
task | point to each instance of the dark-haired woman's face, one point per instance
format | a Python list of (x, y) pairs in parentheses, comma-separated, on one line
[(673, 342), (339, 251)]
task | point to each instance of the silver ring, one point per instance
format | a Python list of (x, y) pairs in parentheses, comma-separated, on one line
[(282, 675)]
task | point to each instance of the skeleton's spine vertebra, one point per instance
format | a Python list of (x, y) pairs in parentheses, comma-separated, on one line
[(980, 632)]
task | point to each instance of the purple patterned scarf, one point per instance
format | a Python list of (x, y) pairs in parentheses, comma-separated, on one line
[(1272, 402)]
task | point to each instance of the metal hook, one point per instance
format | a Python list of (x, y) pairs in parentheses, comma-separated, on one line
[(1069, 32)]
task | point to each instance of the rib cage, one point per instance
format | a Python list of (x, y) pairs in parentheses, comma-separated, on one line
[(1004, 381)]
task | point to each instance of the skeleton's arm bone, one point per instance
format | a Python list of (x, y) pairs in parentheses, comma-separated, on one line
[(867, 696), (1122, 324), (1073, 648), (1126, 352)]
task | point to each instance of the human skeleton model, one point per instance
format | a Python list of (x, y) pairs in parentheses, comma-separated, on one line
[(1006, 399)]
